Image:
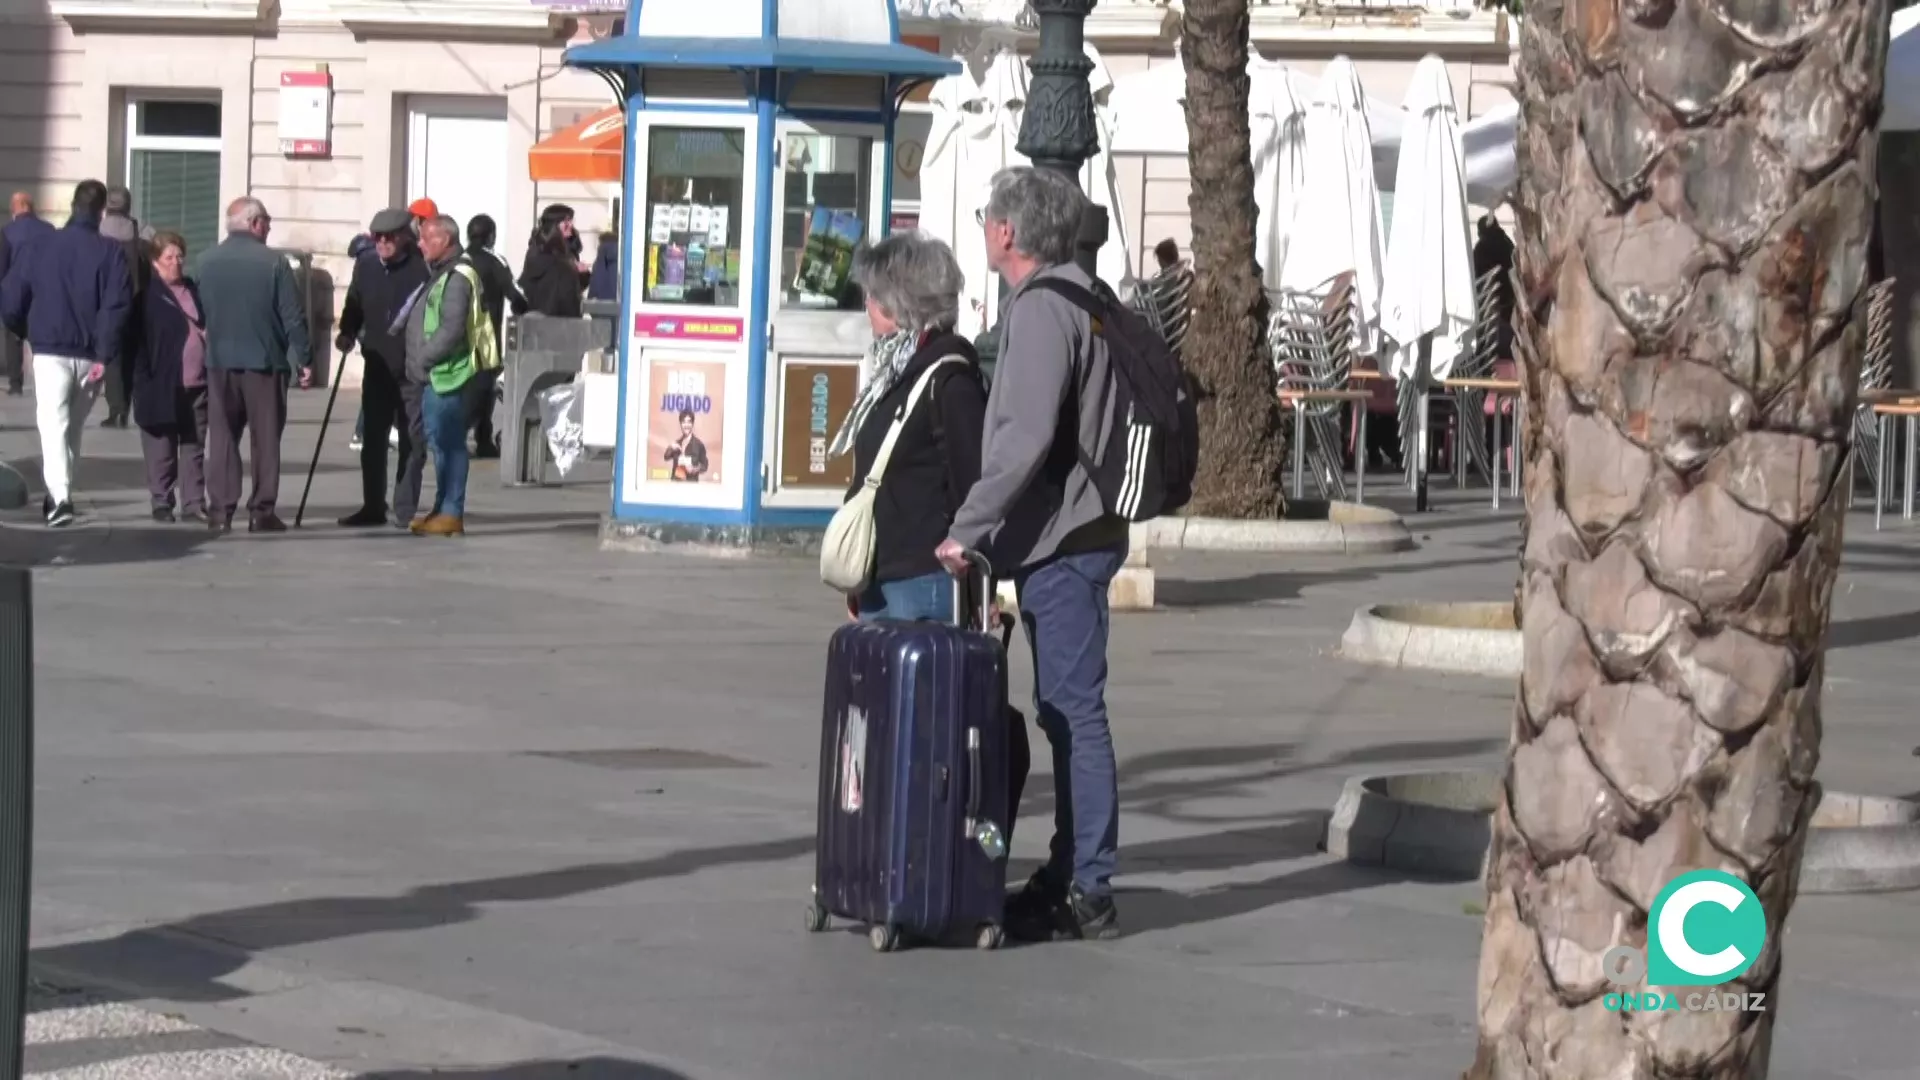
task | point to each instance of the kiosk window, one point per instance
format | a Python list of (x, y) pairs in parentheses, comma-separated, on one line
[(693, 218), (828, 197)]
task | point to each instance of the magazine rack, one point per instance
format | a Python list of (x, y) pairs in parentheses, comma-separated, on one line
[(759, 156)]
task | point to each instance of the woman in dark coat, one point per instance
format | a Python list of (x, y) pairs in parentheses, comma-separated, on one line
[(912, 285), (552, 277), (170, 383)]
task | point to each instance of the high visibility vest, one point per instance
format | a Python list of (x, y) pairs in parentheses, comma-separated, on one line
[(481, 353)]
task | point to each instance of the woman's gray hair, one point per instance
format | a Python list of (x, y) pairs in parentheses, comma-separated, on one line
[(914, 278), (1044, 209)]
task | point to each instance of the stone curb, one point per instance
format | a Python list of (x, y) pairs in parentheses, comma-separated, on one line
[(1348, 529), (1415, 636), (1441, 824), (1370, 826)]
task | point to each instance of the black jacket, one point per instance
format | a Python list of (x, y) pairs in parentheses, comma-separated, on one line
[(552, 283), (161, 326), (605, 282), (935, 461), (497, 289), (374, 299)]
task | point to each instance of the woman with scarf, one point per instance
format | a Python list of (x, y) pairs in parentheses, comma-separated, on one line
[(912, 284)]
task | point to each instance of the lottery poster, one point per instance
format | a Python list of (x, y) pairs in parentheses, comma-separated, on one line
[(686, 420)]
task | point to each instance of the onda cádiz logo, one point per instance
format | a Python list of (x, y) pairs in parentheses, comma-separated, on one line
[(1706, 929)]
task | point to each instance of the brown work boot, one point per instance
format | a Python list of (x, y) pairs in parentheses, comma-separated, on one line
[(439, 525)]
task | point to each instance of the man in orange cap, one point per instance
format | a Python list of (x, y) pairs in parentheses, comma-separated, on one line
[(422, 209)]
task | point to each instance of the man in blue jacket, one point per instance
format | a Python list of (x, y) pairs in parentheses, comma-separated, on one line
[(69, 294), (22, 225)]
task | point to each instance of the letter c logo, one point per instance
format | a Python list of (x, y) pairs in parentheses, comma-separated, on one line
[(1673, 928), (1706, 928)]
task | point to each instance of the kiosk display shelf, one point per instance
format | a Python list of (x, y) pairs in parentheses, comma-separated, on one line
[(695, 182)]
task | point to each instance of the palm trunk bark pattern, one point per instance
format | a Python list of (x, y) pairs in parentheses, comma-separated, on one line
[(1242, 451), (1695, 201)]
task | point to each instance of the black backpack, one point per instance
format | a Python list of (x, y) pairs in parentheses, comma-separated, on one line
[(1146, 467)]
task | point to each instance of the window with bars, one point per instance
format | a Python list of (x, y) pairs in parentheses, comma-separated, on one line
[(173, 168)]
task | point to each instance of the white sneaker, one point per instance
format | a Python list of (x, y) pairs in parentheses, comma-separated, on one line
[(354, 444), (393, 438)]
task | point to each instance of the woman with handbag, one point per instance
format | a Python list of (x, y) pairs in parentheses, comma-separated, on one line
[(914, 433)]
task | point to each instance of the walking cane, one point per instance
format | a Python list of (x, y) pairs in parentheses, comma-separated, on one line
[(333, 395)]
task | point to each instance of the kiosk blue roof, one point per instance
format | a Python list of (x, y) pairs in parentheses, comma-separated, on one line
[(825, 37), (762, 54)]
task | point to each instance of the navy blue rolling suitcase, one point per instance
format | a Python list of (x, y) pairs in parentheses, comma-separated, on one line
[(915, 782)]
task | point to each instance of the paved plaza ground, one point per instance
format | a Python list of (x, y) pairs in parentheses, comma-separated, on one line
[(514, 807)]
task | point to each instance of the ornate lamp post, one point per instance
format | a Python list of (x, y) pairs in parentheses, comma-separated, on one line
[(1057, 128)]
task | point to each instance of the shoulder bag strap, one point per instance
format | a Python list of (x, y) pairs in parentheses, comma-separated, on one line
[(879, 467)]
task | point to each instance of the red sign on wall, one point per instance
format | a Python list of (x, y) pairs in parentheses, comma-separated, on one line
[(306, 113)]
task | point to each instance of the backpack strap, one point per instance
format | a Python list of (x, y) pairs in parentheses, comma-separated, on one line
[(1076, 294), (1067, 428)]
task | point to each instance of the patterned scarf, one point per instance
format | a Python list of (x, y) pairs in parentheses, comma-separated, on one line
[(886, 358)]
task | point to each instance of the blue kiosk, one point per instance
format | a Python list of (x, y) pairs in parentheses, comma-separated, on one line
[(759, 153)]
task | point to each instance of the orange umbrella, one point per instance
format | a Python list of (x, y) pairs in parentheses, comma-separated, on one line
[(591, 150)]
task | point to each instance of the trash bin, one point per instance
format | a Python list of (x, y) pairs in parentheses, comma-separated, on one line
[(16, 807)]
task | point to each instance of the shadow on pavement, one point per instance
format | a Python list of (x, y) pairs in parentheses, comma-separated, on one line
[(594, 1068), (1175, 592), (25, 542), (1875, 630), (1142, 910), (186, 959)]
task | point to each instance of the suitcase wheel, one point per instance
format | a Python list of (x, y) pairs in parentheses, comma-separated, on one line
[(816, 918), (991, 937), (883, 938)]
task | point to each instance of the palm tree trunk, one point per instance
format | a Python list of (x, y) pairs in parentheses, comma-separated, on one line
[(1240, 438), (1691, 334)]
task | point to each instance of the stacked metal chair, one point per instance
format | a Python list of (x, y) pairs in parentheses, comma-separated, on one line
[(1876, 373), (1164, 300), (1469, 406), (1310, 337)]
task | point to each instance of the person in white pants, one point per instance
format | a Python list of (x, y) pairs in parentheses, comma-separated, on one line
[(68, 293), (64, 389)]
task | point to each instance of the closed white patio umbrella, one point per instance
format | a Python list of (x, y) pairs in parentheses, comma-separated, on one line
[(1279, 138), (1336, 220), (1427, 289), (975, 124)]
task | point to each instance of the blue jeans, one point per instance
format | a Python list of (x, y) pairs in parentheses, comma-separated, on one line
[(929, 596), (1063, 605), (446, 421)]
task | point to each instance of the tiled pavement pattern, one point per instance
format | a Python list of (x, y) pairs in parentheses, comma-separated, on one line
[(73, 1035)]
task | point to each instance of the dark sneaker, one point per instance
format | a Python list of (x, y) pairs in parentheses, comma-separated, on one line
[(266, 523), (1091, 918), (164, 515), (1033, 910), (219, 526), (364, 518), (60, 516)]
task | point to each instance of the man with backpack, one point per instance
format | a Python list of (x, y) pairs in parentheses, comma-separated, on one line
[(1039, 512)]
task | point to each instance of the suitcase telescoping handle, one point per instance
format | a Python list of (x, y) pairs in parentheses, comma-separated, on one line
[(978, 567)]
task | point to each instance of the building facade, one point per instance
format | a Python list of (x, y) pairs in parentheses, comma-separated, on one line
[(182, 101)]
